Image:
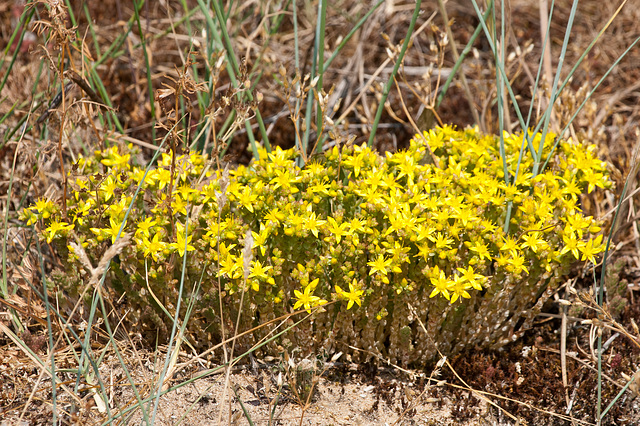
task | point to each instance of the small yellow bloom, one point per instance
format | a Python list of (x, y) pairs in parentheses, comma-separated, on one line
[(353, 295), (57, 228), (307, 299), (379, 265)]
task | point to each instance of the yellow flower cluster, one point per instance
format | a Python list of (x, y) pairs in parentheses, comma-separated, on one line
[(379, 226)]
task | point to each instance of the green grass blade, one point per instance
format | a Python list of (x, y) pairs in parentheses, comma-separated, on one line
[(617, 397), (314, 63), (94, 36), (463, 55), (547, 113), (233, 68), (526, 137), (586, 99), (24, 21), (211, 371), (8, 114), (176, 320), (320, 32), (52, 349), (136, 13), (503, 74), (349, 35), (244, 409), (97, 297), (591, 92), (296, 58), (387, 87)]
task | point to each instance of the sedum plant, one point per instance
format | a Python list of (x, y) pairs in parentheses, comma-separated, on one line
[(374, 246)]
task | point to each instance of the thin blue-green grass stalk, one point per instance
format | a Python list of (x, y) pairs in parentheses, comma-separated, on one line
[(461, 58), (344, 41), (233, 69), (526, 138), (203, 101), (556, 90), (325, 67), (94, 36), (52, 349), (396, 67), (548, 111), (500, 66), (500, 49), (242, 406), (136, 13), (595, 87), (247, 256), (617, 397), (320, 32), (93, 78), (176, 318), (571, 72), (456, 56), (128, 411), (20, 29), (296, 58), (635, 166), (316, 73), (4, 289), (97, 297)]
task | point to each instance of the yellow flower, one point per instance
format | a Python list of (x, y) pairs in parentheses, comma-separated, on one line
[(145, 225), (180, 244), (153, 247), (593, 180), (442, 242), (312, 223), (440, 283), (320, 187), (533, 241), (516, 265), (469, 275), (260, 272), (284, 180), (307, 299), (379, 265), (337, 230), (572, 244), (275, 216), (480, 249), (163, 177), (114, 229), (230, 267), (459, 289), (247, 197), (511, 245), (45, 208), (353, 296), (354, 162), (592, 248), (113, 159), (57, 228), (260, 238), (108, 187)]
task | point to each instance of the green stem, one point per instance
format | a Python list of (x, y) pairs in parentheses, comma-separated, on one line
[(387, 87)]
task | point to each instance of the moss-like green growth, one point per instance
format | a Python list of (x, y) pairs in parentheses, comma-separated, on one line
[(391, 239)]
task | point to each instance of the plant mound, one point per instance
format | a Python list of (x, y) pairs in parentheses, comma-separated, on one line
[(380, 249)]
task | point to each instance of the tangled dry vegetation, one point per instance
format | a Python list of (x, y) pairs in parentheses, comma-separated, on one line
[(139, 73)]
